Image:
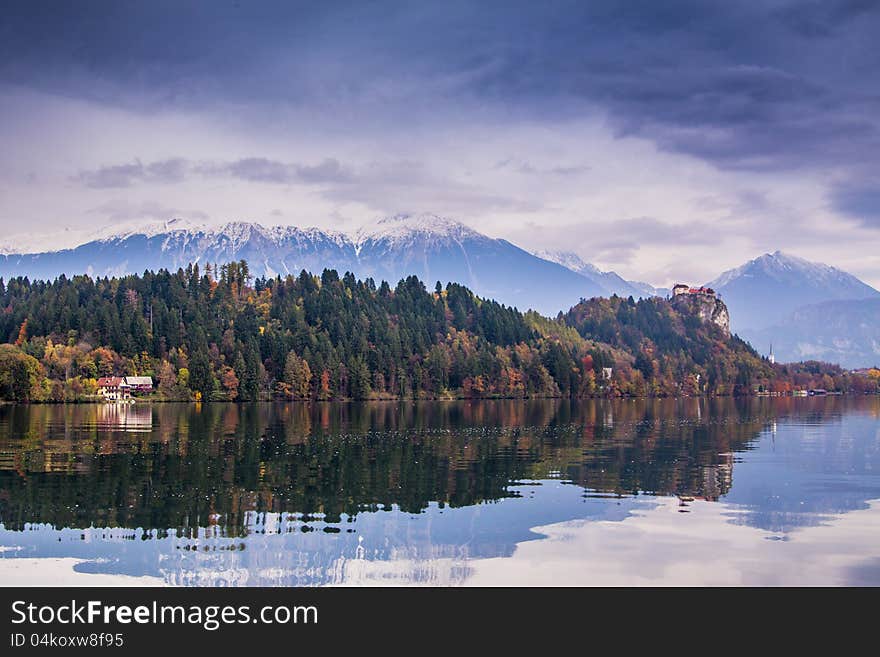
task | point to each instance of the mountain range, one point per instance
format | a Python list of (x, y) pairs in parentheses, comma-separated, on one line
[(431, 247), (805, 309)]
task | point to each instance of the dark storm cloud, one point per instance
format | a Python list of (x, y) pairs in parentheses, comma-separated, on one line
[(748, 85)]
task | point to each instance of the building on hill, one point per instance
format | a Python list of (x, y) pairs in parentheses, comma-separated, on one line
[(681, 288), (114, 388), (140, 383), (701, 302)]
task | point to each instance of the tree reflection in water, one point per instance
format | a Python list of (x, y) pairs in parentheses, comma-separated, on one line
[(230, 473)]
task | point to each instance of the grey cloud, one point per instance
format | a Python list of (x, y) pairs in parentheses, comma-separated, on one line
[(390, 187), (258, 169), (119, 175), (251, 169), (330, 170), (620, 252), (382, 186), (570, 170), (524, 167), (166, 171), (860, 201), (650, 230), (128, 174), (618, 242)]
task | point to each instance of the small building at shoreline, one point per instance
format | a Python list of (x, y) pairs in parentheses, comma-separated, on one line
[(114, 388), (140, 383)]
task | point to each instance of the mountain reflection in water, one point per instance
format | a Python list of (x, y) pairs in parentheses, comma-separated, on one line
[(767, 491)]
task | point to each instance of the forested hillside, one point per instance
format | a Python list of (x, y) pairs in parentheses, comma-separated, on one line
[(674, 352), (671, 348), (218, 334)]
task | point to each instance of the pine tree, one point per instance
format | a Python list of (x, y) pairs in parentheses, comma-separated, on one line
[(360, 379), (201, 379), (249, 390)]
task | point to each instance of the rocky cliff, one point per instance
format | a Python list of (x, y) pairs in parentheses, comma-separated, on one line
[(707, 307)]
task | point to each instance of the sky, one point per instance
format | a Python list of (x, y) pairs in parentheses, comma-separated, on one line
[(666, 141)]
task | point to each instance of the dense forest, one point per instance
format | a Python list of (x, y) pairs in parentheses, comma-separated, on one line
[(220, 334)]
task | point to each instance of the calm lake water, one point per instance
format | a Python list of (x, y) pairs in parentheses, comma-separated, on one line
[(558, 492)]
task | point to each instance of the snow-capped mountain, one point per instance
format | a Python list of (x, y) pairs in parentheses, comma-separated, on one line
[(611, 282), (403, 230), (170, 245), (766, 290), (440, 249), (431, 247)]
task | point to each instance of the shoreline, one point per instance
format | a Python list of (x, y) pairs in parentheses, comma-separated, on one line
[(350, 400)]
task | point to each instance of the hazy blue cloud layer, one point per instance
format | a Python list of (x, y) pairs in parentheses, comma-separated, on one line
[(252, 169), (508, 114)]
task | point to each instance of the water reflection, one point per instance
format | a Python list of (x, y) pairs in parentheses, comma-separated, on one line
[(444, 493)]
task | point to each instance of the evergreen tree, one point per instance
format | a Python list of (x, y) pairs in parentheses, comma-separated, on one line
[(249, 390), (201, 379), (360, 379)]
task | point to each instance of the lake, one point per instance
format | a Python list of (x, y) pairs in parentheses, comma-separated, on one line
[(779, 491)]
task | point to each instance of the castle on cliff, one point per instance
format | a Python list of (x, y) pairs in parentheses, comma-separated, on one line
[(701, 302), (681, 288)]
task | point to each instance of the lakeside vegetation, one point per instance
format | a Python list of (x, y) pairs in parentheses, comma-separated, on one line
[(218, 334)]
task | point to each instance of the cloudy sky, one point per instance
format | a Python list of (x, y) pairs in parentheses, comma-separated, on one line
[(664, 140)]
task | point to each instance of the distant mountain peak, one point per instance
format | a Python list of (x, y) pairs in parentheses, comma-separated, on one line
[(569, 260), (123, 230), (609, 281), (780, 265), (782, 259), (401, 229), (425, 222), (763, 291)]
